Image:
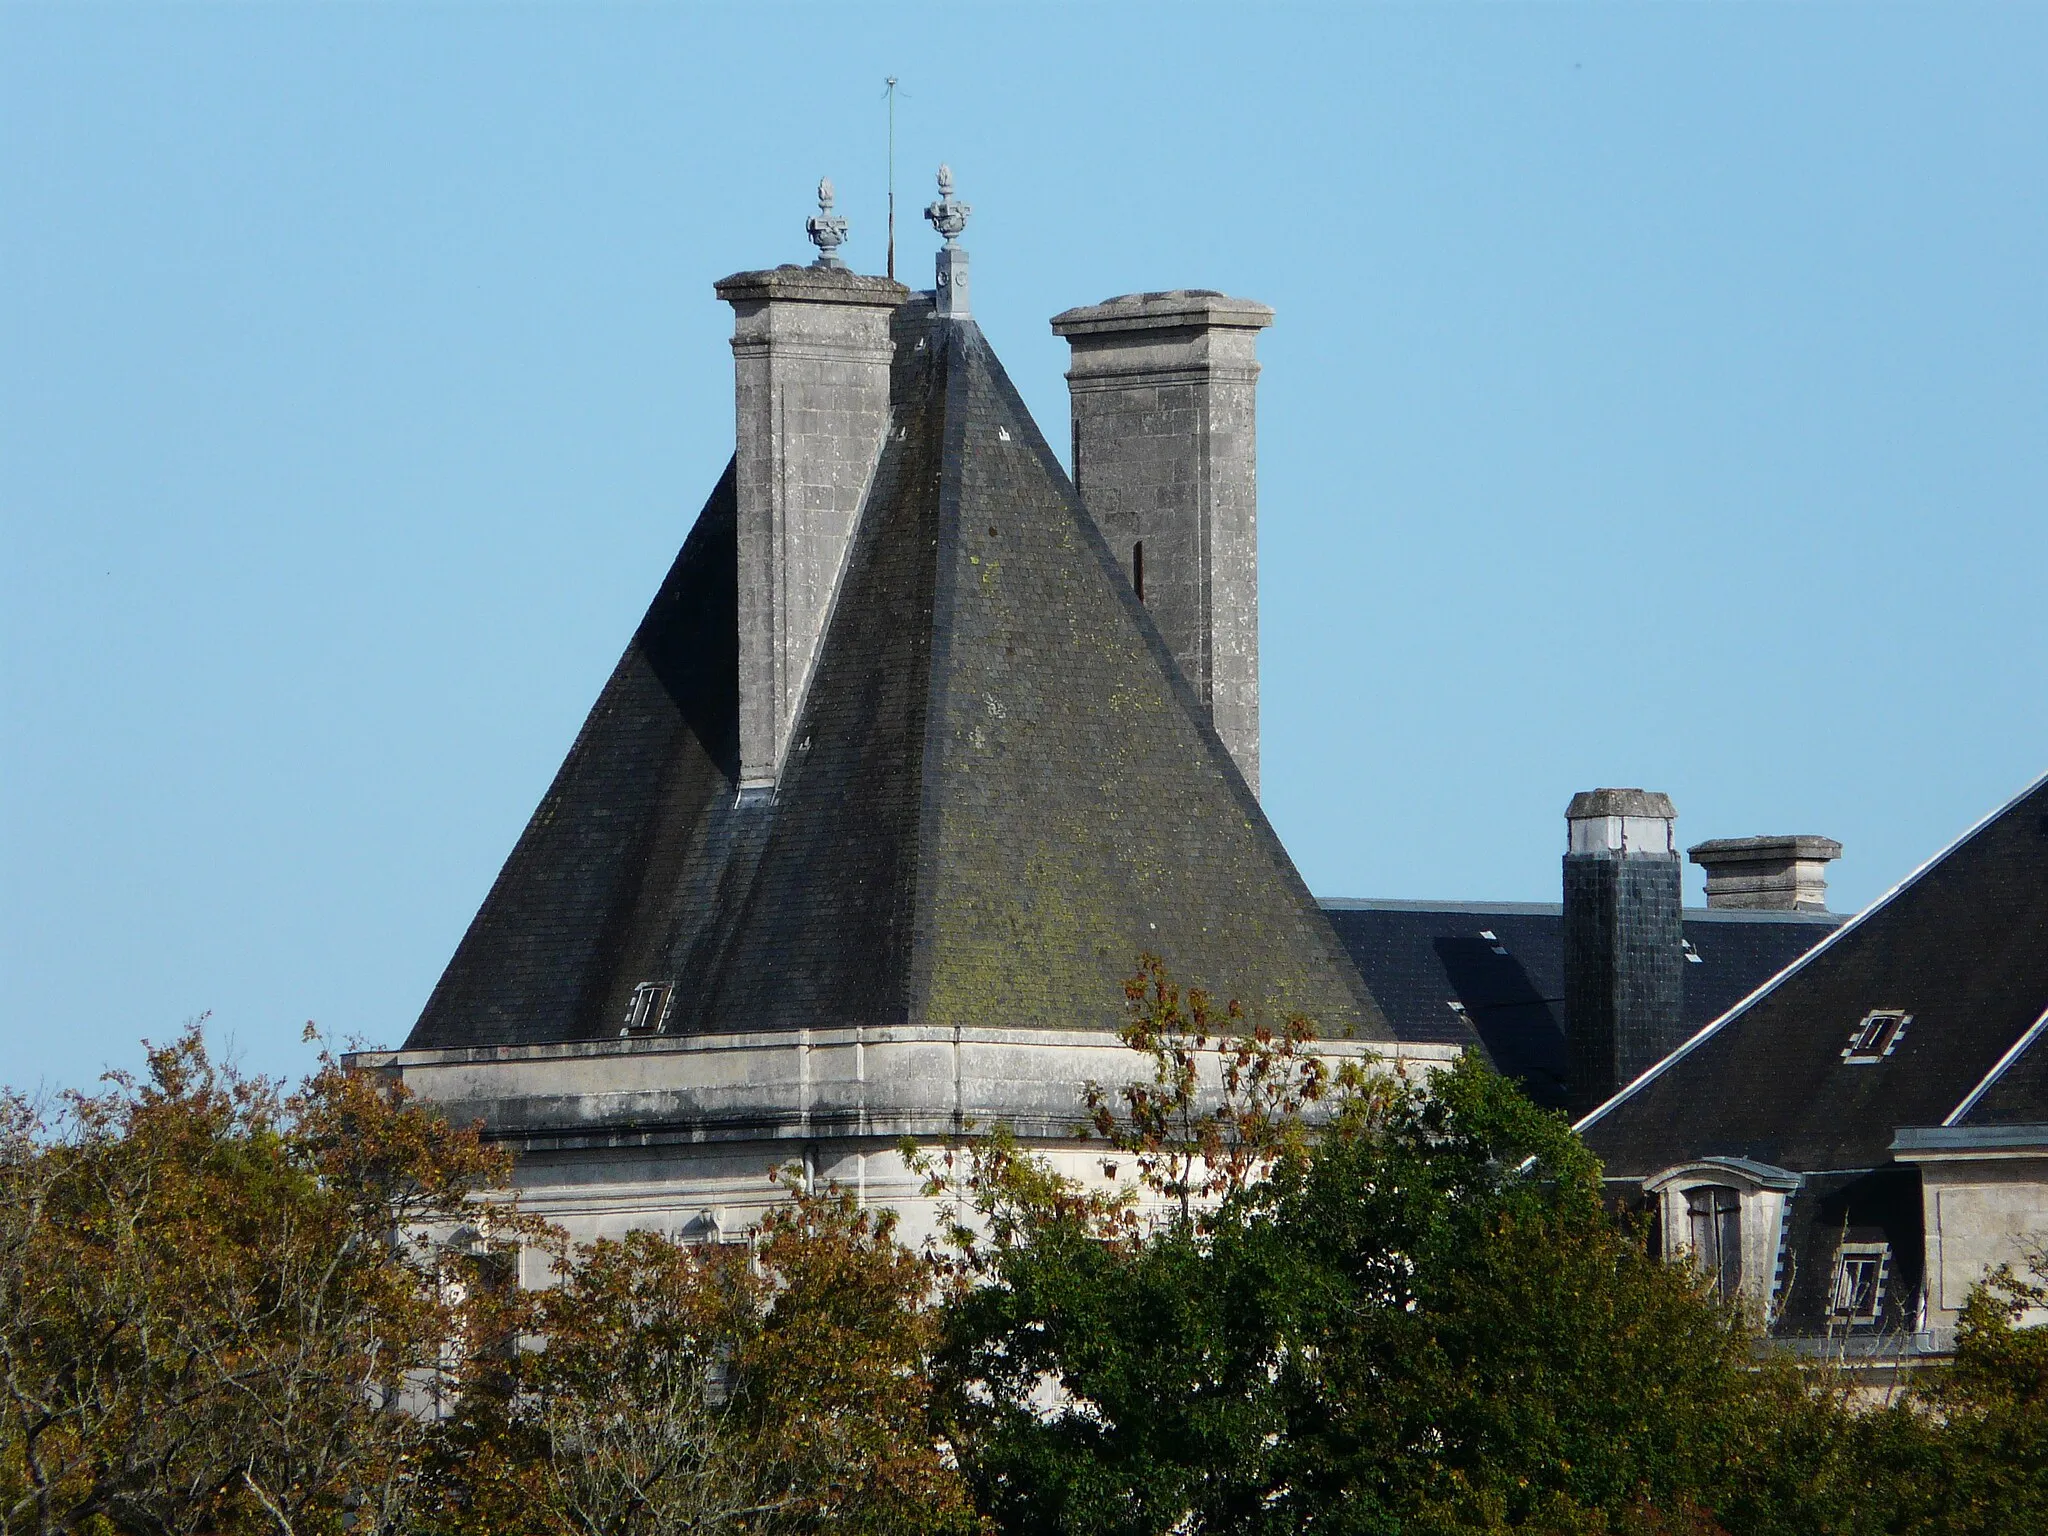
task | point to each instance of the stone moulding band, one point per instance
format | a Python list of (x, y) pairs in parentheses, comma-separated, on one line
[(885, 1082), (1096, 381)]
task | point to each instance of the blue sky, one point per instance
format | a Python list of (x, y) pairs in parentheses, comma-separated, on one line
[(1659, 396)]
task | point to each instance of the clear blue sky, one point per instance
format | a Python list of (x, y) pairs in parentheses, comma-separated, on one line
[(1659, 396)]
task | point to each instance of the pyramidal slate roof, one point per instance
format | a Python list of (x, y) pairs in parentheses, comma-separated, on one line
[(1961, 947), (1000, 790)]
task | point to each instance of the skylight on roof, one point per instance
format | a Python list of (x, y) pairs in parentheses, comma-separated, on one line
[(1876, 1035), (647, 1009)]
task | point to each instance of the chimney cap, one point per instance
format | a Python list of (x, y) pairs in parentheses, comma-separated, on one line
[(1590, 803), (1760, 850), (1165, 309), (812, 285)]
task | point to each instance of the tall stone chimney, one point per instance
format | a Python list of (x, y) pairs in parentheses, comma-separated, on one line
[(811, 350), (1165, 457), (1767, 874), (1624, 966)]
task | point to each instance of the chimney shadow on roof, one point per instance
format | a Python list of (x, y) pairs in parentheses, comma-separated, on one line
[(1521, 1029), (690, 636)]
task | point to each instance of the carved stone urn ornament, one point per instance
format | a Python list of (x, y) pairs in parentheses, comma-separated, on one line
[(948, 214), (827, 229)]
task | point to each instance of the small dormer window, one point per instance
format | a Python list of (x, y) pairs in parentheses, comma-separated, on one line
[(648, 1008), (1858, 1293), (1876, 1036)]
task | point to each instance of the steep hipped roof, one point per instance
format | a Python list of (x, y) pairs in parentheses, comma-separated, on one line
[(1492, 973), (1961, 947), (1000, 791)]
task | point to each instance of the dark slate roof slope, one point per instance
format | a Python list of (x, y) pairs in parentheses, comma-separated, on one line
[(1079, 806), (1962, 946), (631, 841), (2015, 1091), (1000, 792), (1440, 977)]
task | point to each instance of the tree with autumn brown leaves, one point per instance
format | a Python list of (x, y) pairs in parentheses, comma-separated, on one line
[(225, 1308), (218, 1301), (775, 1386)]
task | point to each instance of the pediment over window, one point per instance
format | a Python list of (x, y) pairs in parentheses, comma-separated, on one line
[(1743, 1173)]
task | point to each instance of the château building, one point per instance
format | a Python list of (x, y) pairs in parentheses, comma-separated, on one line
[(910, 759), (921, 743)]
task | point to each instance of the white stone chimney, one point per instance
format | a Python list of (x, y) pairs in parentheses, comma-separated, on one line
[(1165, 443), (1767, 874), (811, 351)]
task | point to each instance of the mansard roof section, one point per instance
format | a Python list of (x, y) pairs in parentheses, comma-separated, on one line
[(1892, 1021), (998, 792)]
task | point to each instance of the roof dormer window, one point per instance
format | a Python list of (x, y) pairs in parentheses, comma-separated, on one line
[(647, 1009), (1858, 1292), (1876, 1036)]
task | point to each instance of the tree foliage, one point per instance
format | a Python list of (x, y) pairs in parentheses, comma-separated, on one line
[(1420, 1319), (226, 1309), (1338, 1301), (213, 1296)]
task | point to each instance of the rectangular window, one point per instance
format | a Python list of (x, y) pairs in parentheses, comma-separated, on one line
[(1876, 1035), (1858, 1294), (1714, 1221), (648, 1008)]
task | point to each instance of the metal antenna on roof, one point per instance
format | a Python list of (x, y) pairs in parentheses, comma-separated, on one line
[(890, 82)]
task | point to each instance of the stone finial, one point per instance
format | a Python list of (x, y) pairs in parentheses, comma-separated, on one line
[(826, 228), (948, 214)]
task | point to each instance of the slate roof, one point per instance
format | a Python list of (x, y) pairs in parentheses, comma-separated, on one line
[(1000, 791), (2015, 1091), (1961, 946), (1421, 958)]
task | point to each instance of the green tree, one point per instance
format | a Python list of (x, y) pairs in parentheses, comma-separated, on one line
[(1420, 1319)]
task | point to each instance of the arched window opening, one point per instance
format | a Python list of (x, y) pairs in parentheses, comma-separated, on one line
[(1714, 1223), (1138, 568)]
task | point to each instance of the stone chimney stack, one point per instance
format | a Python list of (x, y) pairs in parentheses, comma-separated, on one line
[(1767, 874), (1165, 457), (811, 349), (1624, 936)]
